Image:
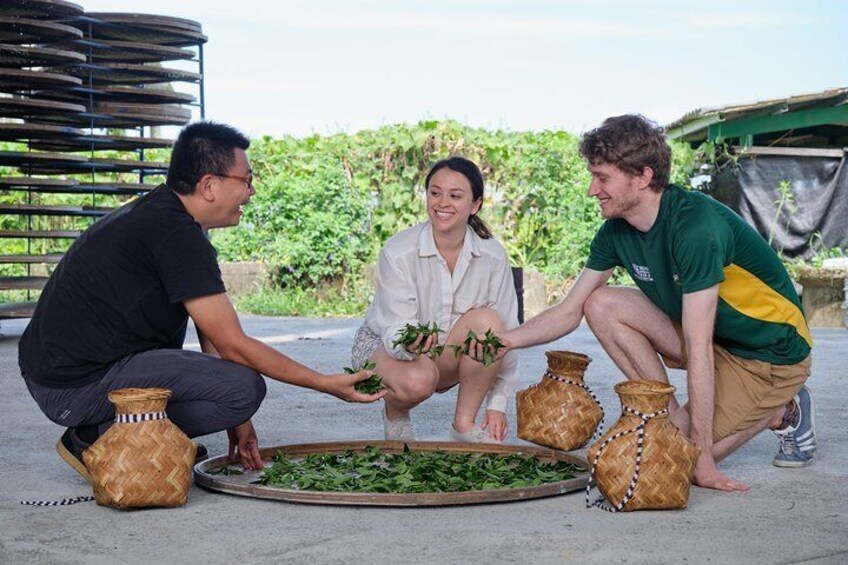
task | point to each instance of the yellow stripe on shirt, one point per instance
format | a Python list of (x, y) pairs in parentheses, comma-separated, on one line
[(749, 295)]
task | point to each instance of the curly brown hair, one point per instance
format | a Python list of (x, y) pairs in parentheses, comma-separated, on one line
[(631, 143)]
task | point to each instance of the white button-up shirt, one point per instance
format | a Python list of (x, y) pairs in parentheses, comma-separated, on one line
[(415, 286)]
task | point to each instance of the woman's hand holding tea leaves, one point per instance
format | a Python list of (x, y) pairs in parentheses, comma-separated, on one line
[(422, 339)]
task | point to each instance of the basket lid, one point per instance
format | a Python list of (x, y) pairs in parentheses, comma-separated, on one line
[(645, 396), (136, 400), (567, 361)]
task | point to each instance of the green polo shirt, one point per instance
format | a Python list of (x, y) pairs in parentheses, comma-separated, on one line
[(695, 243)]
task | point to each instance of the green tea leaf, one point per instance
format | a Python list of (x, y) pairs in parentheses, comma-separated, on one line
[(371, 470)]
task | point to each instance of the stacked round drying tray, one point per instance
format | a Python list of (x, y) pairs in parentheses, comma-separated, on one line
[(82, 96)]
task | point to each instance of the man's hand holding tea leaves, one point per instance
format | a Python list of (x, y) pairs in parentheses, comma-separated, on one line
[(486, 350), (372, 384)]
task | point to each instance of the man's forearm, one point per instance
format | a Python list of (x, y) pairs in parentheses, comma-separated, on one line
[(206, 345), (701, 389), (552, 324), (268, 361), (561, 319)]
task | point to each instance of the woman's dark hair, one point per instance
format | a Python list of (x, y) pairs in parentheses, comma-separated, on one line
[(631, 143), (202, 148), (472, 172)]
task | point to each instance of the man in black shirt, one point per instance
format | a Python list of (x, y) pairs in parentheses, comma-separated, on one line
[(114, 313)]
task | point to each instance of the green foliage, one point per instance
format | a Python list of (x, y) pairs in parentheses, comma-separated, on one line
[(684, 163), (326, 205), (308, 220), (351, 300)]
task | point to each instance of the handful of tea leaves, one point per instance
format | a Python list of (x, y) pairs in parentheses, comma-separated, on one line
[(409, 333), (491, 345), (371, 470), (370, 385)]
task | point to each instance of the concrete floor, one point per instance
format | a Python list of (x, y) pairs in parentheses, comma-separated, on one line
[(789, 516)]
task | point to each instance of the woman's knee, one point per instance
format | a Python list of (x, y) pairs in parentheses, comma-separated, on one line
[(417, 383), (481, 319)]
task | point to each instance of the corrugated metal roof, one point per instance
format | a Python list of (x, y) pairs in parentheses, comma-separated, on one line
[(706, 116)]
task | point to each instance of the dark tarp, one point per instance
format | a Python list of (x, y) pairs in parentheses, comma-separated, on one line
[(810, 217)]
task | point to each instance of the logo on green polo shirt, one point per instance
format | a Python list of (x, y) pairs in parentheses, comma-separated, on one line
[(642, 273)]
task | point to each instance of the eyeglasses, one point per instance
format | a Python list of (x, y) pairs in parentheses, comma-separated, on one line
[(248, 180)]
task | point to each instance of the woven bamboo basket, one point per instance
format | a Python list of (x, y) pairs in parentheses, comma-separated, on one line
[(667, 458), (558, 412), (146, 461)]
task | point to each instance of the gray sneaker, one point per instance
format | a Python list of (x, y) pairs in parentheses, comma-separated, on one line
[(400, 430), (798, 440)]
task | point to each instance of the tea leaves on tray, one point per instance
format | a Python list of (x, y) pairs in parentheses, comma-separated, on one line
[(372, 384), (372, 470)]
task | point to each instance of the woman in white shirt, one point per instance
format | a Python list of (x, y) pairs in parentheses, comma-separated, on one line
[(448, 270)]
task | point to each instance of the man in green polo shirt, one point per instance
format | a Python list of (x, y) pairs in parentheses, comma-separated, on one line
[(711, 297)]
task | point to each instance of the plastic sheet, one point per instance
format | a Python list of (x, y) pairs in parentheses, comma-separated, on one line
[(807, 217)]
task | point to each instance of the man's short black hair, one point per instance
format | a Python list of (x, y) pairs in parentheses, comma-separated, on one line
[(202, 148)]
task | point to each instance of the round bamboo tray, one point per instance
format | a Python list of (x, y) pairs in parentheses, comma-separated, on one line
[(40, 9), (125, 115), (247, 483), (18, 80), (21, 31), (146, 95), (27, 158), (162, 30), (128, 74), (115, 51), (99, 143), (146, 20), (17, 56), (74, 164), (35, 182), (23, 107), (14, 132)]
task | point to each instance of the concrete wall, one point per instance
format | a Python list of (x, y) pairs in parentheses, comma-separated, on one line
[(823, 297), (244, 277)]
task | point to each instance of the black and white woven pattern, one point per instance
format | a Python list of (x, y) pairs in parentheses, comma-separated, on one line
[(599, 431), (62, 502), (136, 418), (640, 440)]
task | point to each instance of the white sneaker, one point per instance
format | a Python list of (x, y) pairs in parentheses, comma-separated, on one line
[(400, 429), (474, 435)]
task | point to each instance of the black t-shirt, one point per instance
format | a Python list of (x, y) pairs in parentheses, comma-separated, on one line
[(119, 290)]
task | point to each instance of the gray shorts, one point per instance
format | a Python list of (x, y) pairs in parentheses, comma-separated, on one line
[(365, 343)]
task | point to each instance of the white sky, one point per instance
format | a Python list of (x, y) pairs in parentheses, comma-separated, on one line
[(323, 66)]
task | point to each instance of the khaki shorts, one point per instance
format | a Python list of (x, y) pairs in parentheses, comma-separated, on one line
[(746, 390)]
